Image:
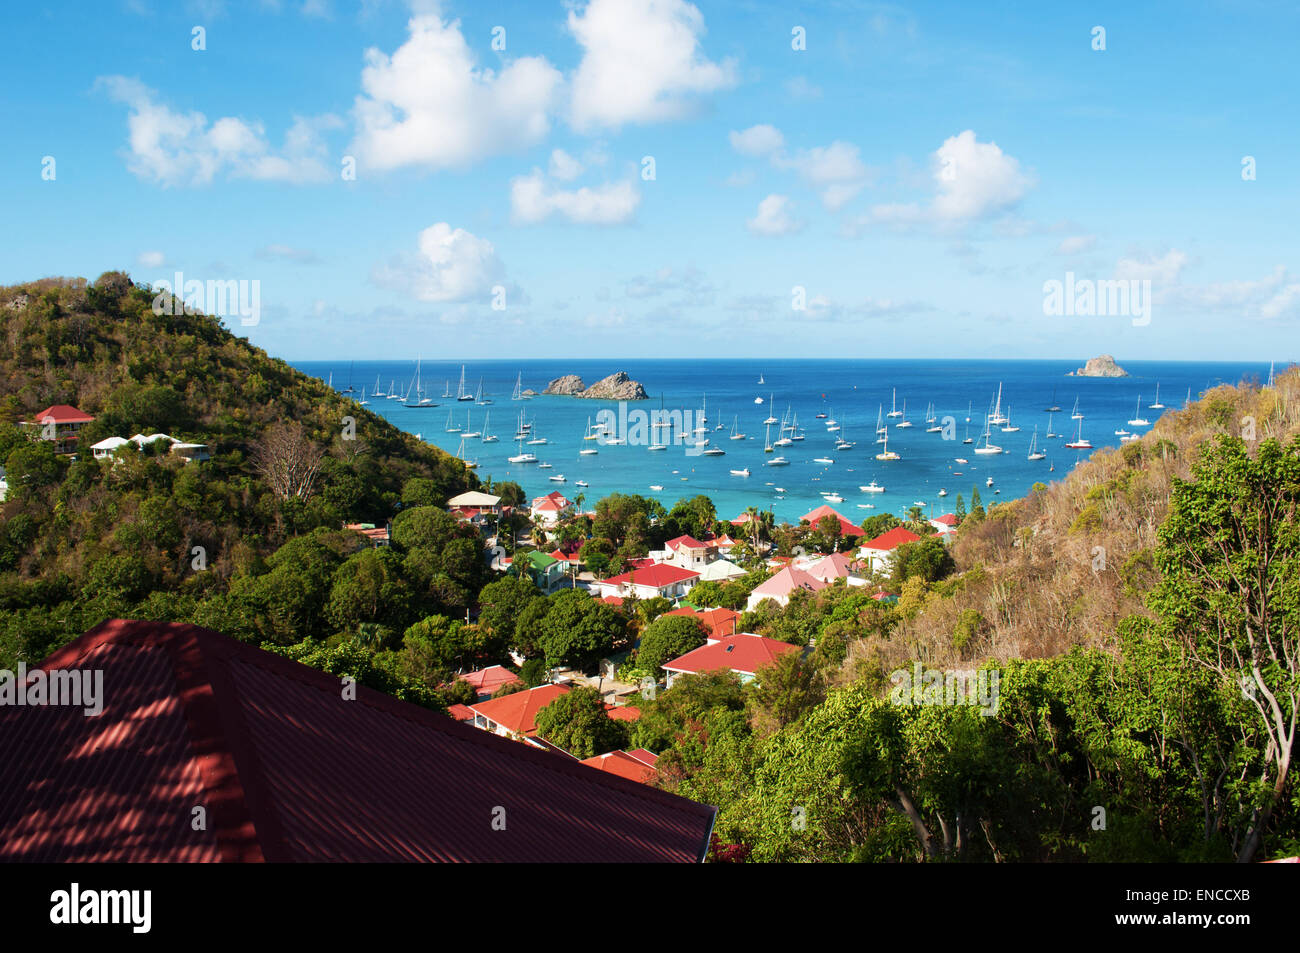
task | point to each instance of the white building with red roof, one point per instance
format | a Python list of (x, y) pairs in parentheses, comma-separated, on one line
[(60, 423), (551, 508), (743, 654), (647, 582), (879, 552), (945, 525), (781, 586), (686, 552), (486, 681), (837, 566)]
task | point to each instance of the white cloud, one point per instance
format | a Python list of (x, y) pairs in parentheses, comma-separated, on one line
[(1163, 270), (1274, 296), (429, 103), (532, 200), (975, 179), (152, 259), (641, 62), (757, 140), (972, 180), (564, 166), (1076, 244), (173, 148), (774, 217), (452, 265)]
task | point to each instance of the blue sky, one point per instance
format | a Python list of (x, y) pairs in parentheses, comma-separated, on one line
[(918, 171)]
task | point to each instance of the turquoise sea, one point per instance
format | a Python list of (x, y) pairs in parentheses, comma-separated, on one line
[(851, 392)]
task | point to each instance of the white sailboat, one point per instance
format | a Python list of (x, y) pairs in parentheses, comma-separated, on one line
[(1050, 434), (1159, 406), (460, 455), (1074, 414), (735, 433), (887, 454), (1034, 452), (1007, 428), (997, 419), (893, 407), (363, 400), (377, 392), (468, 434), (488, 436), (452, 426), (392, 391), (1079, 442), (988, 448), (460, 390), (904, 423), (932, 420), (1138, 420), (771, 418)]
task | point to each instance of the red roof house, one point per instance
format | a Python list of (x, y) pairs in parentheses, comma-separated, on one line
[(624, 765), (717, 621), (192, 718), (880, 551), (781, 586), (646, 582), (744, 654), (486, 681), (516, 715), (60, 423), (846, 528)]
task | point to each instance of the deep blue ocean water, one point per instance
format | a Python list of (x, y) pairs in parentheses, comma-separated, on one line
[(850, 391)]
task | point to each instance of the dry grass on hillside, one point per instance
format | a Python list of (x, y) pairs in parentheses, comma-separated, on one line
[(1034, 569)]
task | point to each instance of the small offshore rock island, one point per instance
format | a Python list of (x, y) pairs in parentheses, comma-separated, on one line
[(617, 386), (1103, 366)]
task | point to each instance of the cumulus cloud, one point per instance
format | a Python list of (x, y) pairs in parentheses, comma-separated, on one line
[(176, 149), (774, 217), (1163, 270), (973, 181), (564, 166), (533, 200), (429, 103), (452, 265), (641, 62), (757, 140), (1275, 296)]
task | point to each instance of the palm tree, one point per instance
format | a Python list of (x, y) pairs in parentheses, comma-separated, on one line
[(752, 513)]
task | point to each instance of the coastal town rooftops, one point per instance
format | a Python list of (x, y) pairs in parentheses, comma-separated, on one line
[(474, 498), (551, 502), (745, 653), (194, 717), (892, 539), (787, 581), (834, 566), (61, 414), (623, 764), (846, 528), (656, 576), (486, 681), (685, 542), (947, 519), (517, 713), (718, 622)]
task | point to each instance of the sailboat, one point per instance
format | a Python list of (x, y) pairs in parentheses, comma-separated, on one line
[(1189, 397), (1138, 420), (1050, 434), (518, 393), (1159, 406), (887, 454), (417, 390), (1079, 443), (893, 406), (392, 391), (767, 441), (377, 392), (795, 433), (468, 434), (701, 425), (534, 440), (1074, 414), (1008, 428), (904, 423), (593, 433), (1054, 409), (760, 378), (363, 400), (1034, 452), (478, 395), (988, 448), (460, 455), (968, 437), (488, 437), (1269, 383), (968, 407), (882, 429), (452, 426), (771, 418), (330, 382), (735, 433), (446, 389), (932, 420), (460, 391), (997, 419)]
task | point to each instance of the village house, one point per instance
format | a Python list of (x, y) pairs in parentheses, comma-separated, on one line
[(782, 585), (550, 509), (486, 681), (657, 579), (743, 654), (847, 528), (377, 535), (837, 566), (717, 622), (686, 552), (547, 573), (515, 716), (61, 423), (879, 552), (190, 452), (721, 570), (635, 765), (475, 507), (945, 526)]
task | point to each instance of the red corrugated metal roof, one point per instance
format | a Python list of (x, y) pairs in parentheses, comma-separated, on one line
[(62, 414), (289, 770), (656, 576), (624, 765), (745, 653)]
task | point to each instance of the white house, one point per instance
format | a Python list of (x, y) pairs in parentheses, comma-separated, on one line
[(647, 582), (550, 509), (879, 552)]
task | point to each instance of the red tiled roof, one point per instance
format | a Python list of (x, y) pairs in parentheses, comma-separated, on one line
[(656, 575), (518, 712), (551, 501), (644, 756), (62, 414), (846, 528), (624, 765), (743, 653), (487, 680), (720, 621), (947, 519), (685, 542), (191, 718), (460, 712), (892, 540), (623, 713)]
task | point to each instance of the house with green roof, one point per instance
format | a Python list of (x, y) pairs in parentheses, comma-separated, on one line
[(546, 572)]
